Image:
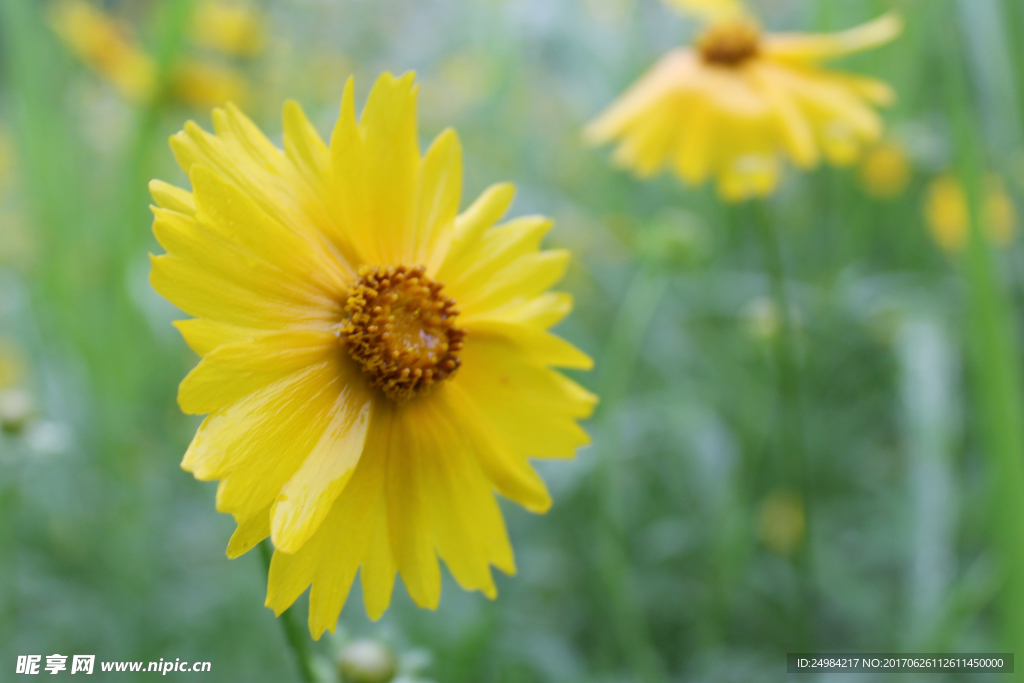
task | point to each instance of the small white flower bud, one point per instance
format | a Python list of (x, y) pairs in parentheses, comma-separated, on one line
[(15, 410), (366, 661)]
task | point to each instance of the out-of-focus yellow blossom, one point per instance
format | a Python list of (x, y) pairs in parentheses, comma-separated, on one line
[(234, 28), (710, 9), (105, 46), (203, 84), (738, 101), (885, 171), (782, 522), (10, 364), (946, 212)]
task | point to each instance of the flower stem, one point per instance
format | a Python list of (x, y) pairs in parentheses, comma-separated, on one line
[(792, 447), (993, 347), (629, 329), (294, 633)]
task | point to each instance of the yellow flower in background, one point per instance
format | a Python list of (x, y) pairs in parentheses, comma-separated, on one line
[(947, 216), (234, 28), (741, 99), (104, 46), (11, 364), (375, 365), (782, 522), (709, 9), (885, 170), (202, 84)]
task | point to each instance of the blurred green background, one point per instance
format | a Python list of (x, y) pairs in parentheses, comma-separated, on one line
[(674, 551)]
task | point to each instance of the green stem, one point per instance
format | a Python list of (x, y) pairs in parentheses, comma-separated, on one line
[(792, 446), (294, 633), (992, 346), (619, 359)]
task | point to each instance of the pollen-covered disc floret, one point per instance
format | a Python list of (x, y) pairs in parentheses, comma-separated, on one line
[(401, 330), (730, 43)]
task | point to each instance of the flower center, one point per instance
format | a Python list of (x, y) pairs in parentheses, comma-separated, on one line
[(401, 330), (730, 43)]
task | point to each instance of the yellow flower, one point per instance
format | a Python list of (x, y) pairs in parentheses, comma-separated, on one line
[(709, 9), (375, 365), (782, 522), (203, 84), (885, 171), (11, 364), (233, 28), (947, 217), (105, 47), (734, 105)]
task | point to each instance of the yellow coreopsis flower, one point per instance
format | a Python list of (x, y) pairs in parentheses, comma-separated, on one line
[(234, 28), (103, 45), (948, 219), (885, 171), (375, 365), (202, 84), (741, 99)]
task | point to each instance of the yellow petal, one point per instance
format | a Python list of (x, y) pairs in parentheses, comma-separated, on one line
[(325, 562), (495, 250), (168, 196), (512, 391), (307, 497), (407, 507), (540, 312), (233, 371), (204, 335), (377, 574), (525, 277), (390, 164), (438, 201), (249, 533), (816, 47), (508, 469), (472, 223), (536, 345)]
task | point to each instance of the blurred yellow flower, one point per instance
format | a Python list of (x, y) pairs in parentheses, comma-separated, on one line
[(709, 9), (11, 364), (885, 170), (203, 84), (357, 414), (104, 46), (946, 212), (731, 107), (234, 28), (782, 522)]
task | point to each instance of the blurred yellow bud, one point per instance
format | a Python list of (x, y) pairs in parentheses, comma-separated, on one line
[(15, 410), (366, 661), (947, 215), (234, 28), (206, 85), (782, 521), (105, 47), (10, 365), (885, 171), (762, 318)]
